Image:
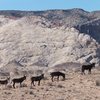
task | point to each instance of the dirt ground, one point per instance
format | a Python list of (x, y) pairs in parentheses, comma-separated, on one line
[(75, 87)]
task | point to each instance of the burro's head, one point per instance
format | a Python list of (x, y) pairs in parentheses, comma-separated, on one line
[(93, 64)]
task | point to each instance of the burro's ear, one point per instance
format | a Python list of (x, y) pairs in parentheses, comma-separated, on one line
[(24, 75), (43, 74), (93, 64), (8, 78)]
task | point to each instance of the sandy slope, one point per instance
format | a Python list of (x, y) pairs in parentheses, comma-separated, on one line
[(75, 87)]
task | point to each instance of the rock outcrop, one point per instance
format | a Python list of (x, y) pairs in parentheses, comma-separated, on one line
[(48, 38)]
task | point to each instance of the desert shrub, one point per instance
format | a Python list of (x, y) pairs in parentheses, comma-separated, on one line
[(97, 82), (31, 93), (50, 84), (60, 86), (24, 85), (9, 86)]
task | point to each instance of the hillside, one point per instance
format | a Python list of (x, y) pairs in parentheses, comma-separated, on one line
[(48, 38), (82, 20)]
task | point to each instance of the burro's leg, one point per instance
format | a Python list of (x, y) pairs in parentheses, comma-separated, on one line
[(58, 78), (13, 84), (52, 78), (39, 82), (83, 71), (89, 71)]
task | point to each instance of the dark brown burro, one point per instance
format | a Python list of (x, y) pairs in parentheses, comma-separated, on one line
[(5, 81), (18, 80), (87, 67), (37, 78), (53, 74)]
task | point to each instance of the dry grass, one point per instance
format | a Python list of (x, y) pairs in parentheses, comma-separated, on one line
[(75, 87)]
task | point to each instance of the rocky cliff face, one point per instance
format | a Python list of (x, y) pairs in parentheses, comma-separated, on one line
[(48, 38)]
